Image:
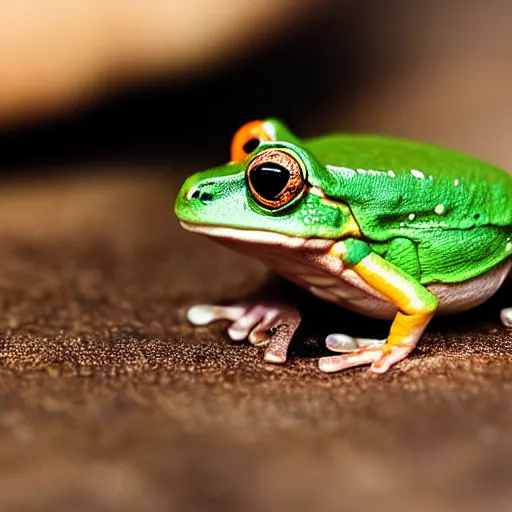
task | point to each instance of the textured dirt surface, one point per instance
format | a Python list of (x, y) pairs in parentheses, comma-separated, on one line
[(110, 401)]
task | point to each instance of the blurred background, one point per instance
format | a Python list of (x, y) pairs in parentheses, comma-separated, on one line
[(167, 83), (109, 400)]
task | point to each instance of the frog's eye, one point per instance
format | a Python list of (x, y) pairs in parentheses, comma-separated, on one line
[(275, 178), (247, 139)]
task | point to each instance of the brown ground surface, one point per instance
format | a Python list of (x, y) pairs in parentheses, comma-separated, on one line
[(110, 401)]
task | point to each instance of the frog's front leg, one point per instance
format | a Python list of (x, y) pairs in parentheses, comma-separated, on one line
[(415, 303), (261, 321)]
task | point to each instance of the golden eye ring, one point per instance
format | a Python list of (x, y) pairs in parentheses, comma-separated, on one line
[(275, 178)]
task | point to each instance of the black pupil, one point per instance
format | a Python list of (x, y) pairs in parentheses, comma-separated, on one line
[(269, 179), (251, 145)]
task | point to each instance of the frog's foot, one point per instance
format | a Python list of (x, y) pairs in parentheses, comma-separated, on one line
[(506, 317), (345, 343), (267, 323), (381, 358)]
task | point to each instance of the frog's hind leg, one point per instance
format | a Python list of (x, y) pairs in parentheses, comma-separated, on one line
[(416, 306), (402, 250), (506, 317), (270, 323)]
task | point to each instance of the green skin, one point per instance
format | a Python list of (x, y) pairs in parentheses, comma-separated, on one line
[(436, 215)]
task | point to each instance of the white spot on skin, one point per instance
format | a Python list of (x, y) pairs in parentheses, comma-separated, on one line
[(270, 130), (417, 174), (317, 191), (509, 246), (412, 216), (439, 209), (431, 178), (402, 224), (344, 171), (456, 183), (350, 173)]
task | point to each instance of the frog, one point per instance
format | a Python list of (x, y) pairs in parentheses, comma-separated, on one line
[(386, 227)]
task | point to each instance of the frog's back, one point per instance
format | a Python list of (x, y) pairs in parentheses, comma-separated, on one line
[(456, 209)]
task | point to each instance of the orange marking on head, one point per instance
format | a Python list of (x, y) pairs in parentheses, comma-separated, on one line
[(249, 131)]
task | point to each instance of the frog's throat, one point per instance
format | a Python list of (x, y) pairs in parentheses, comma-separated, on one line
[(254, 236)]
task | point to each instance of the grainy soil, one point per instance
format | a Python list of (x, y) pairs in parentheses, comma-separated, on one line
[(111, 401)]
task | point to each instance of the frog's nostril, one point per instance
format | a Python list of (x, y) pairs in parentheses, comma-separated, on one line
[(193, 193), (205, 197), (197, 193)]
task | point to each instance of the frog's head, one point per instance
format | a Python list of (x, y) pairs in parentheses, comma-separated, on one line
[(272, 185)]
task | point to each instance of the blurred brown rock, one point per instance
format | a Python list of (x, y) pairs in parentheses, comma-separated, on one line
[(57, 53)]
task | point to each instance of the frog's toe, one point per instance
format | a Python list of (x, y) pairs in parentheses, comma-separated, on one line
[(277, 329), (380, 358), (506, 317), (244, 318), (242, 327), (204, 314), (271, 324), (344, 343)]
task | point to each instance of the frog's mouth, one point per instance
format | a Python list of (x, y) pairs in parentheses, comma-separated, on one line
[(254, 236)]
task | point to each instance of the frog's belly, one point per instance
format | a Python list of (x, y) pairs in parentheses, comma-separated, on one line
[(307, 263), (327, 278), (344, 290)]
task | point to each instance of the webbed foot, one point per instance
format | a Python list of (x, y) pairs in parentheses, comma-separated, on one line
[(506, 317), (270, 323), (345, 343), (380, 357)]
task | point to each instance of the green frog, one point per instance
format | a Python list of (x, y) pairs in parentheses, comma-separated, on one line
[(385, 227)]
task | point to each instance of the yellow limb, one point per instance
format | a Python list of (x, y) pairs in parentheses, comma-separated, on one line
[(415, 303)]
